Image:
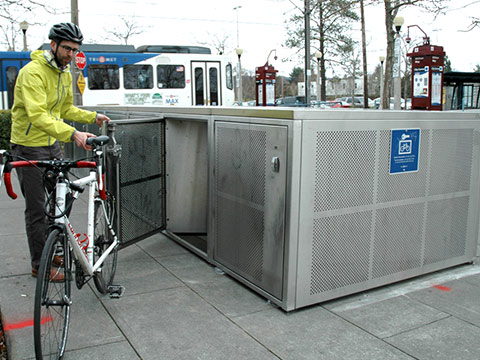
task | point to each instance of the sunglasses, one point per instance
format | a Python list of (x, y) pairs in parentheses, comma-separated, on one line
[(68, 49)]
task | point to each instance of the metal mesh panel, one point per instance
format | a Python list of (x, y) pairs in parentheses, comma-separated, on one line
[(344, 169), (240, 159), (398, 239), (402, 186), (141, 174), (242, 164), (451, 163), (446, 232), (241, 229), (340, 255)]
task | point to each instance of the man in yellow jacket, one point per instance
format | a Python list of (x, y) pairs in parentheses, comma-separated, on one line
[(43, 98)]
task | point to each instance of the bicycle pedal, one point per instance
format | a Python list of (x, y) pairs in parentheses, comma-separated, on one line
[(116, 291)]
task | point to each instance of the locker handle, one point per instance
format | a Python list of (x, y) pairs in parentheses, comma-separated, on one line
[(275, 164)]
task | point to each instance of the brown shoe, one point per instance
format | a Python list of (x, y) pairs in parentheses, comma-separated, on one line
[(57, 261), (55, 275)]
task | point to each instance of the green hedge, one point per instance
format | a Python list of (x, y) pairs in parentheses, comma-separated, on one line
[(5, 127)]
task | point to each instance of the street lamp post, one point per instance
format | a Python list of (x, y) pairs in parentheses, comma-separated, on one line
[(318, 55), (239, 75), (307, 53), (397, 82), (382, 59), (24, 27)]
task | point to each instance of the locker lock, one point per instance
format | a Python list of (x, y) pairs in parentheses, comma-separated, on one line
[(275, 164)]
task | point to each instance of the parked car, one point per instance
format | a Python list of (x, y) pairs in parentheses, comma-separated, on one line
[(376, 103), (357, 101), (291, 101)]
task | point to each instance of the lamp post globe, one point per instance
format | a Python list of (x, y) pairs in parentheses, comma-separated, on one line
[(24, 27)]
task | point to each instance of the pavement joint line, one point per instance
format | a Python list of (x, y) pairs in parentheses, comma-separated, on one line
[(402, 289)]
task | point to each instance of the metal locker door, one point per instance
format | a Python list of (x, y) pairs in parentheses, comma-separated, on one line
[(249, 196), (137, 177)]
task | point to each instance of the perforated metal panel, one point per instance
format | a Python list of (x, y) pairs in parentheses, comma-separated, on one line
[(451, 163), (363, 227), (340, 251), (250, 202), (354, 186), (140, 178), (397, 246), (446, 229), (402, 186)]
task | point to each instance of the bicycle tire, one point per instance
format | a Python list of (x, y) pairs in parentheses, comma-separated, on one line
[(102, 240), (51, 316)]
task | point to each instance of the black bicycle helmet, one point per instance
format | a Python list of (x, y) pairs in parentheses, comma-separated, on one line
[(66, 31)]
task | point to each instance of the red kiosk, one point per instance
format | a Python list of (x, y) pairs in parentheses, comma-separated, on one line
[(265, 85), (427, 75)]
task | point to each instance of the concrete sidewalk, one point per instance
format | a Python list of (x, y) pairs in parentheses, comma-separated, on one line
[(176, 306)]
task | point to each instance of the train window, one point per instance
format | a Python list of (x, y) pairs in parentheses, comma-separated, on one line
[(171, 76), (228, 74), (12, 73), (213, 73), (103, 77), (199, 96), (138, 76)]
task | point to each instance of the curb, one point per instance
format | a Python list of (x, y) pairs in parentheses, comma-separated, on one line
[(3, 340)]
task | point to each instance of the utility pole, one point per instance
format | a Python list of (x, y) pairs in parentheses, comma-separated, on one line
[(77, 95), (307, 52)]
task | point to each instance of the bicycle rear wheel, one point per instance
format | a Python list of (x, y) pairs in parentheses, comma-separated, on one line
[(102, 240), (52, 300)]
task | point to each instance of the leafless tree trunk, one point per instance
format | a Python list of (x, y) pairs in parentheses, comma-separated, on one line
[(392, 8), (364, 56)]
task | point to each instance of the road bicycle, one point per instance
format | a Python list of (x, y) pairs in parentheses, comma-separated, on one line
[(80, 256)]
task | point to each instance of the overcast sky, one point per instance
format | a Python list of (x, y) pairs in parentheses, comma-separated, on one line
[(261, 27)]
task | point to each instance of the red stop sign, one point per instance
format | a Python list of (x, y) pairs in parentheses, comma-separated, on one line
[(80, 60)]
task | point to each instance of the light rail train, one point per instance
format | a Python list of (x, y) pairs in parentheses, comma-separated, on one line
[(152, 75)]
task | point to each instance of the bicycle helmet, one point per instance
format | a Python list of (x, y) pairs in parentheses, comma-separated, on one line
[(66, 31)]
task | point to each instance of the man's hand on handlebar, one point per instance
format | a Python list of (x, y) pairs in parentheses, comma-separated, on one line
[(80, 139), (101, 118)]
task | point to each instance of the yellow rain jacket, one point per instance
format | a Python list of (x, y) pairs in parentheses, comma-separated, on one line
[(43, 97)]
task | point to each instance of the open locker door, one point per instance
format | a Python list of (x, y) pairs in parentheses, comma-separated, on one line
[(136, 176)]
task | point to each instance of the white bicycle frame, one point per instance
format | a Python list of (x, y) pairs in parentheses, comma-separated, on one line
[(84, 257)]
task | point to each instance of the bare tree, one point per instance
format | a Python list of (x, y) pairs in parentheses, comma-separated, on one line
[(330, 22), (125, 32), (392, 8), (364, 56), (351, 64), (220, 42), (12, 12)]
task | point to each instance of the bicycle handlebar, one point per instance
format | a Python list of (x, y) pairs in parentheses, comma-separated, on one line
[(64, 165)]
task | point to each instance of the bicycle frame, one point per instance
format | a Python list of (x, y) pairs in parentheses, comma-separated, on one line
[(94, 181), (85, 257)]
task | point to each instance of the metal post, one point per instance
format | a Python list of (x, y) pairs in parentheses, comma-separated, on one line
[(382, 59), (77, 95), (397, 81), (239, 76), (240, 88), (24, 27), (318, 79), (307, 52)]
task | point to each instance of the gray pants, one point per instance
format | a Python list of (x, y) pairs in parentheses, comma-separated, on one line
[(33, 189)]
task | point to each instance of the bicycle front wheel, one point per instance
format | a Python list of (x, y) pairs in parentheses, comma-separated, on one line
[(104, 210), (52, 299)]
